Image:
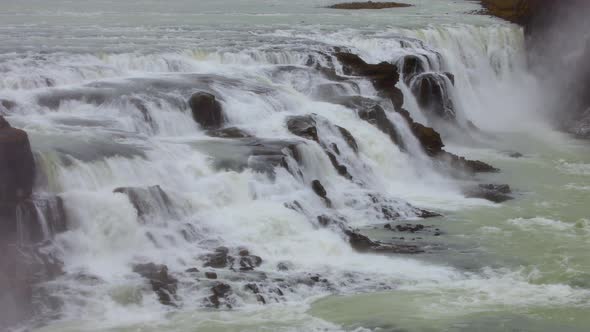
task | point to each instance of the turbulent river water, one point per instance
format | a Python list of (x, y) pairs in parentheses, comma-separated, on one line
[(101, 88)]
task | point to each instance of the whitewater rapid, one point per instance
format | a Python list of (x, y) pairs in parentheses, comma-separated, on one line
[(99, 121)]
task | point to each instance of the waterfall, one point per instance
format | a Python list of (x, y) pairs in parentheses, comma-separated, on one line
[(141, 182)]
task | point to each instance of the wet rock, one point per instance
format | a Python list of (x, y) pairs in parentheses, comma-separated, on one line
[(497, 193), (376, 116), (260, 155), (148, 202), (470, 166), (218, 259), (303, 126), (163, 284), (206, 110), (432, 96), (384, 75), (350, 140), (17, 174), (210, 275), (230, 132), (411, 65), (319, 190), (341, 169), (221, 291), (192, 270), (362, 243), (451, 77), (249, 262)]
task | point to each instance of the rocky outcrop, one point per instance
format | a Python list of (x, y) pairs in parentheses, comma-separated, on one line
[(17, 174), (206, 110), (369, 5)]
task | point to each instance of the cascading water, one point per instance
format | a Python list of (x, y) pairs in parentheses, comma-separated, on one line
[(237, 222)]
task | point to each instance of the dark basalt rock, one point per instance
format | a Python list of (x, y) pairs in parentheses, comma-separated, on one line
[(210, 275), (192, 270), (163, 284), (497, 193), (207, 111), (230, 132), (431, 94), (384, 75)]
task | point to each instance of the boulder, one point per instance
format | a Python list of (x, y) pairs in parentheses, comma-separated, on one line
[(362, 243), (206, 110), (163, 284)]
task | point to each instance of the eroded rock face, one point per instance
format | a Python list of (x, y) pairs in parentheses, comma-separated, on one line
[(206, 110)]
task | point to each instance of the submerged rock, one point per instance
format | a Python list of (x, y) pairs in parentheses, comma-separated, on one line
[(319, 190), (362, 243), (207, 111), (303, 126)]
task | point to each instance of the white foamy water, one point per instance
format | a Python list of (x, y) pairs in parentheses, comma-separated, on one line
[(105, 106)]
